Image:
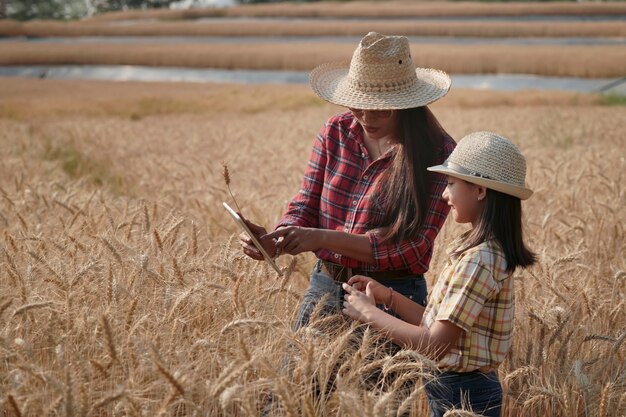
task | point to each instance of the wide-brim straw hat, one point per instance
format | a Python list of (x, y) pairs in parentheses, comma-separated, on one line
[(490, 160), (380, 76)]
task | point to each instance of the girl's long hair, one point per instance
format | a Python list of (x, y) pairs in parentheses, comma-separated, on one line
[(501, 220), (403, 190)]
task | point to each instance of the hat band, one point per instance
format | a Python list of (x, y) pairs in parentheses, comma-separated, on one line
[(461, 170), (382, 87)]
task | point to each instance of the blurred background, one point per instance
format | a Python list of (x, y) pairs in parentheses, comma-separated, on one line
[(572, 46)]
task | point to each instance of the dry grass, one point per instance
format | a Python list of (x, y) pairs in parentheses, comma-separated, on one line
[(386, 9), (316, 28), (47, 99), (24, 97), (577, 61), (136, 300)]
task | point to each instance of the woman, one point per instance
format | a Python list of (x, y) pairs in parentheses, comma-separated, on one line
[(367, 205)]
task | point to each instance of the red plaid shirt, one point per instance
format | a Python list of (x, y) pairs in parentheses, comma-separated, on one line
[(335, 195)]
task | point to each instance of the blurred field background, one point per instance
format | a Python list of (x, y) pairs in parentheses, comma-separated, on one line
[(270, 23), (122, 288)]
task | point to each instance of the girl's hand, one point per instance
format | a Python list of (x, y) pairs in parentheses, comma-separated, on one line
[(248, 247), (380, 293), (295, 239), (359, 305)]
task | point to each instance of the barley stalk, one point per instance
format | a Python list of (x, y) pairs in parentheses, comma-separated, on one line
[(23, 309), (110, 340), (52, 408), (103, 369), (194, 239), (158, 240), (14, 406), (170, 378), (116, 396), (112, 249), (228, 375), (68, 396), (131, 313), (235, 324), (22, 222), (604, 399), (460, 413), (178, 273), (146, 218), (4, 306), (226, 175)]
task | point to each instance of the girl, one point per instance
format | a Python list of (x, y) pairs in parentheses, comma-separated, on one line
[(367, 205), (467, 324)]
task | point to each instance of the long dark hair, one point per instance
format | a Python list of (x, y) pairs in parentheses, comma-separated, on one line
[(501, 220), (403, 190)]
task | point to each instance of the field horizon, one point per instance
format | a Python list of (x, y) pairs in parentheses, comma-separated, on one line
[(603, 61)]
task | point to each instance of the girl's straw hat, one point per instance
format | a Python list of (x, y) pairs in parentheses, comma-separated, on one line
[(380, 76), (492, 161)]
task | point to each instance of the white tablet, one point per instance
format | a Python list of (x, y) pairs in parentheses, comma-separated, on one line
[(258, 245)]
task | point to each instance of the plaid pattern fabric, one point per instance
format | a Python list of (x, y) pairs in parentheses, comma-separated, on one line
[(335, 195), (475, 292)]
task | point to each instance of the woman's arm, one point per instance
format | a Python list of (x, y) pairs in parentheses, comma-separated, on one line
[(417, 250), (434, 342), (295, 239)]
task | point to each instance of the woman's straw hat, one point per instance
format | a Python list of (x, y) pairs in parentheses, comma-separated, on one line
[(380, 76), (492, 161)]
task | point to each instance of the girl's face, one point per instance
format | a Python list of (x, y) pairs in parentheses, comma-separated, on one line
[(466, 200), (377, 124)]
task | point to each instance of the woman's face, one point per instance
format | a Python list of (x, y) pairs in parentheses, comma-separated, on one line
[(378, 124)]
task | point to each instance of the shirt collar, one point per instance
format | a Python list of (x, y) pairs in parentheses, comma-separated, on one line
[(455, 245)]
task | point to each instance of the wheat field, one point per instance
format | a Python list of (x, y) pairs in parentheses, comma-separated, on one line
[(315, 27), (379, 9), (599, 61), (123, 291)]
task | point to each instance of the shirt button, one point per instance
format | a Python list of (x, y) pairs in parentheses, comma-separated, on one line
[(337, 256), (354, 203), (363, 155), (365, 177), (346, 229)]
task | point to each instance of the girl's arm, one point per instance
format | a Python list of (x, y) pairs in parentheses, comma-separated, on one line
[(434, 342), (406, 308)]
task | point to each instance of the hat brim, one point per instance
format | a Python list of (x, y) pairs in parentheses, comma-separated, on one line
[(329, 81), (522, 193)]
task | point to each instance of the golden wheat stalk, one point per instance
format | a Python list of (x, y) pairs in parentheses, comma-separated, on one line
[(226, 176), (109, 338)]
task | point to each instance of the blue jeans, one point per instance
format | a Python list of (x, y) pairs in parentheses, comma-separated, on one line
[(476, 391), (411, 286)]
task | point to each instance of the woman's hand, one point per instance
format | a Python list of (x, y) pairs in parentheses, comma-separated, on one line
[(295, 239), (359, 305), (380, 293), (248, 247)]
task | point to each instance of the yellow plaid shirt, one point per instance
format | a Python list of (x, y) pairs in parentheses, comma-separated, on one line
[(476, 293)]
